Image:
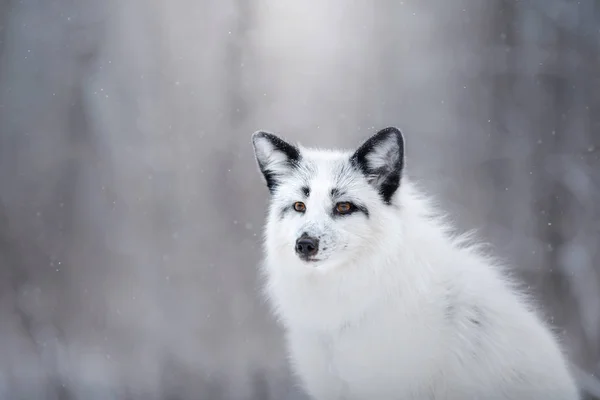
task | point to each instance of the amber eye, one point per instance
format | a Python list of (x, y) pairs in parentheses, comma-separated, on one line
[(343, 208), (299, 206)]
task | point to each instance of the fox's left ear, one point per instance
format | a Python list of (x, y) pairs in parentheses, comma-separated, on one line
[(276, 158), (381, 159)]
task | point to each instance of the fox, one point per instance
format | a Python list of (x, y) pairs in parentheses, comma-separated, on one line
[(379, 298)]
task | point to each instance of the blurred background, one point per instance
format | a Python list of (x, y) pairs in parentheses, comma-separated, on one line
[(131, 206)]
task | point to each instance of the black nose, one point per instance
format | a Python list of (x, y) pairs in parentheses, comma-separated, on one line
[(307, 246)]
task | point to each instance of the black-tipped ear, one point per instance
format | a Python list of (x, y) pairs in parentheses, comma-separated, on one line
[(381, 159), (275, 157)]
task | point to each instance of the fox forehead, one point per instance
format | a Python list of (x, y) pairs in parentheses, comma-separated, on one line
[(323, 174), (324, 155)]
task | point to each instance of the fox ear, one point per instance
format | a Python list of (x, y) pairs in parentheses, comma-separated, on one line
[(381, 160), (275, 157)]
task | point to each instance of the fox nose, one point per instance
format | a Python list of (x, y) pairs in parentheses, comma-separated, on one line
[(307, 246)]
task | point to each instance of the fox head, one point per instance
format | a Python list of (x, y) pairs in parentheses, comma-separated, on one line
[(328, 207)]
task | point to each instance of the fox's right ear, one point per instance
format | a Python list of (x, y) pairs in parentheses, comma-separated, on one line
[(275, 157)]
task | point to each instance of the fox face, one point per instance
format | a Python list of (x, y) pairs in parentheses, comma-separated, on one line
[(326, 206)]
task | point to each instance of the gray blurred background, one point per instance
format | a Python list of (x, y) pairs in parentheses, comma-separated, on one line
[(131, 208)]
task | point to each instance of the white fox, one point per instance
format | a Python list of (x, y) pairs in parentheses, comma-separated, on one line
[(378, 299)]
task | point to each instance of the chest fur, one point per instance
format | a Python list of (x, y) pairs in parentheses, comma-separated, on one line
[(379, 358)]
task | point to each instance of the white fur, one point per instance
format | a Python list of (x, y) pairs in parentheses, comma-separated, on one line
[(275, 159), (398, 308)]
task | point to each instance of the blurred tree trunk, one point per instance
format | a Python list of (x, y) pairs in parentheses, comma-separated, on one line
[(541, 103), (569, 279)]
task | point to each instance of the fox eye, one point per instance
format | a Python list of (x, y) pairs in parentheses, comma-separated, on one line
[(344, 207), (299, 206)]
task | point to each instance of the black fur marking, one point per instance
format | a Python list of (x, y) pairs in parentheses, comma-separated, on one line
[(476, 317), (362, 209), (336, 193), (284, 211), (290, 151), (353, 208), (270, 177), (388, 177), (287, 209), (306, 191), (467, 313)]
